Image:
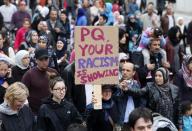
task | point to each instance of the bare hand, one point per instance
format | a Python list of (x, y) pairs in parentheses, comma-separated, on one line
[(5, 84), (57, 30), (150, 66), (166, 64), (123, 85)]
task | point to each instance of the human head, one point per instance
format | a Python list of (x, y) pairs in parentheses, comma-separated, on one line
[(57, 88), (4, 68), (128, 71), (157, 32), (63, 15), (107, 92), (96, 3), (187, 63), (22, 59), (22, 5), (140, 119), (26, 23), (44, 26), (16, 95), (186, 108), (150, 8), (161, 76), (174, 34), (103, 19), (76, 127), (60, 44), (2, 39), (122, 36), (32, 37), (6, 2), (42, 59), (123, 58), (121, 19), (169, 9), (180, 21), (43, 41), (85, 3), (154, 45), (131, 18), (53, 14)]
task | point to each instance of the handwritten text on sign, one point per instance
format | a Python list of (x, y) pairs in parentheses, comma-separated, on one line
[(96, 51)]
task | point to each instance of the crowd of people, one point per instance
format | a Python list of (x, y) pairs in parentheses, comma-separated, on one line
[(37, 67)]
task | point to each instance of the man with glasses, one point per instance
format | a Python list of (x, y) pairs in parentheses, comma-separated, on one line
[(36, 79)]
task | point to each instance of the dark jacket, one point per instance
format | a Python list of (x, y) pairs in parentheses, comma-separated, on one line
[(98, 120), (52, 29), (152, 94), (57, 117), (184, 91), (17, 73), (23, 121), (37, 81), (75, 93), (122, 99), (3, 89)]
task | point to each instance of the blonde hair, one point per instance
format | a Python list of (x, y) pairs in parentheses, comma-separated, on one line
[(16, 91)]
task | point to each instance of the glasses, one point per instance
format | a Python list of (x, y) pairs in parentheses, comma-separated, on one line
[(124, 60), (59, 89)]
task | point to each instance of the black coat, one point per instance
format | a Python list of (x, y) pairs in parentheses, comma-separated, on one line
[(98, 120), (23, 121), (185, 92), (152, 94), (17, 73), (57, 117), (75, 93)]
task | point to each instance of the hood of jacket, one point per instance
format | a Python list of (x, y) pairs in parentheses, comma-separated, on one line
[(6, 109)]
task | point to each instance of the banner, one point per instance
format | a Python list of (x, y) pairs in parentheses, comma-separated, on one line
[(96, 55)]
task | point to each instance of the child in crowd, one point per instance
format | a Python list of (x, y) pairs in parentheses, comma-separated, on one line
[(187, 112), (5, 77)]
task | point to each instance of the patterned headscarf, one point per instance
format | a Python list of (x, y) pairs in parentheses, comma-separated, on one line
[(187, 74)]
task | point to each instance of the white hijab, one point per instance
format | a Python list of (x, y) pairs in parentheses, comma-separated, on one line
[(18, 58), (180, 26)]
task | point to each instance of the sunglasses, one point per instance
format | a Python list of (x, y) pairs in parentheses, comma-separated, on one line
[(124, 60)]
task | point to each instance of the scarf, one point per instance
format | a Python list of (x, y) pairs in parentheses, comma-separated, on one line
[(18, 59), (187, 76), (165, 103)]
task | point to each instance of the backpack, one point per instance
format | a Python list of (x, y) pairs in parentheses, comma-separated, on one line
[(160, 121)]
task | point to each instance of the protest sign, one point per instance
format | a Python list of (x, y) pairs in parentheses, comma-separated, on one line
[(96, 58)]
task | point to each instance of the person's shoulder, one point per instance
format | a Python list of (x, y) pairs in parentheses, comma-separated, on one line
[(52, 71)]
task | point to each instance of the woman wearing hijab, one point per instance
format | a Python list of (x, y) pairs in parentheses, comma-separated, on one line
[(62, 56), (162, 96), (81, 18), (22, 65), (183, 79)]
